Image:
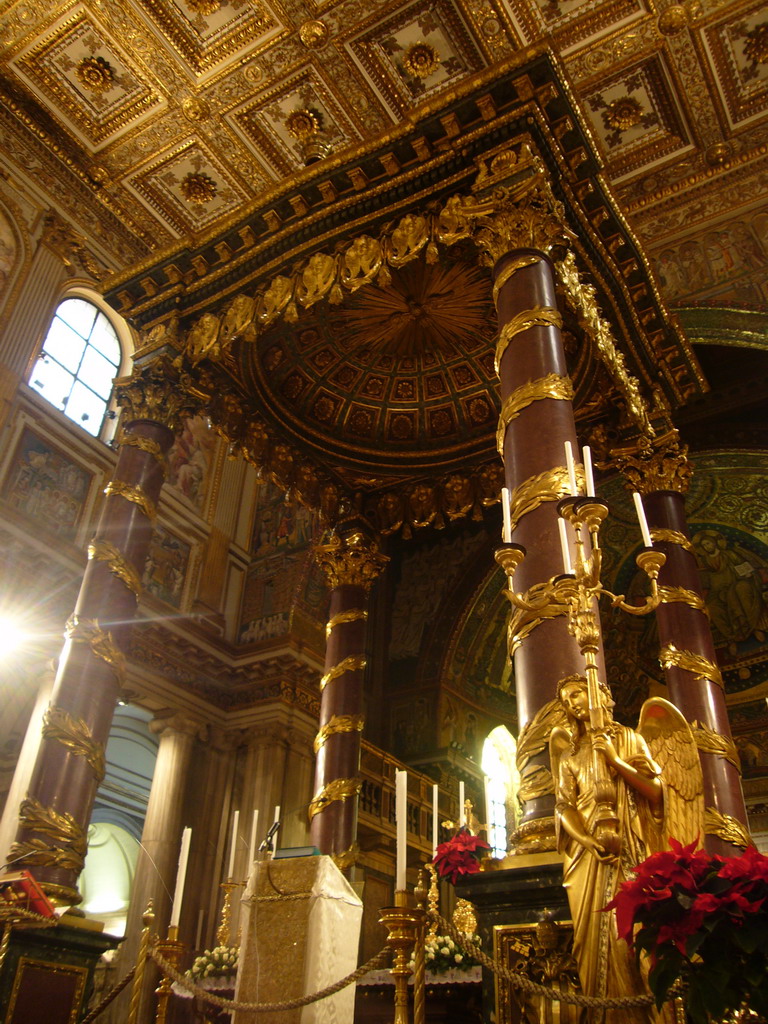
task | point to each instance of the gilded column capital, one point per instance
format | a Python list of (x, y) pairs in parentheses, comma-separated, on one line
[(156, 391), (525, 215), (353, 559), (658, 465)]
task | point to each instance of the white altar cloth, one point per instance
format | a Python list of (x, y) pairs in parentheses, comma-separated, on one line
[(300, 933)]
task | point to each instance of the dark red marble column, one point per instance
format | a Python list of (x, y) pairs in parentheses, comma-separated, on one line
[(536, 420), (351, 562), (54, 817), (688, 651)]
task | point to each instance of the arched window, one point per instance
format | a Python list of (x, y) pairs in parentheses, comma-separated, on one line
[(80, 357), (501, 786)]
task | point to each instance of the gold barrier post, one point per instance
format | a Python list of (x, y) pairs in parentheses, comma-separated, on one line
[(147, 920), (401, 922), (172, 951), (419, 962)]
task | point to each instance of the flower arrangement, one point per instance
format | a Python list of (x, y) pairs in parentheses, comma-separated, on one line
[(461, 855), (215, 963), (702, 919), (442, 954)]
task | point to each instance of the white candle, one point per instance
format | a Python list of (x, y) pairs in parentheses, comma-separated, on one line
[(506, 512), (199, 933), (462, 820), (488, 806), (571, 469), (181, 874), (401, 815), (641, 519), (586, 454), (233, 847), (276, 819), (252, 843), (435, 795), (567, 567)]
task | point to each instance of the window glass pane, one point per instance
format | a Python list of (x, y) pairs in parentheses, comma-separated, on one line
[(79, 314), (105, 340), (97, 372), (52, 381), (64, 345), (86, 408)]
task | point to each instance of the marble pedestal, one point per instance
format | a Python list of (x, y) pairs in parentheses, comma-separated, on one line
[(300, 933)]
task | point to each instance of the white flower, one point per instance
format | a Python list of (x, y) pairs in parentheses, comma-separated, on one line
[(458, 957)]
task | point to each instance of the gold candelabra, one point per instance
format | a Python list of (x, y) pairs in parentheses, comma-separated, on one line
[(224, 931), (172, 950), (575, 593)]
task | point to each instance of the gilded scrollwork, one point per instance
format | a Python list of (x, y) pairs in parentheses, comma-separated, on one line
[(352, 663), (681, 595), (659, 536), (338, 724), (551, 485), (509, 270), (672, 657), (727, 828), (88, 631), (523, 622), (350, 615), (76, 736), (552, 386), (67, 845), (583, 301), (710, 742), (103, 551), (337, 789), (133, 493), (145, 444), (524, 320)]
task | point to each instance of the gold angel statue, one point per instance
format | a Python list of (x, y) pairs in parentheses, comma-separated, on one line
[(620, 794)]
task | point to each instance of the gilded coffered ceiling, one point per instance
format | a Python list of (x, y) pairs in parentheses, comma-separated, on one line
[(175, 115)]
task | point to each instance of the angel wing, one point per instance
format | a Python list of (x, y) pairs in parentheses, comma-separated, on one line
[(559, 744), (672, 745)]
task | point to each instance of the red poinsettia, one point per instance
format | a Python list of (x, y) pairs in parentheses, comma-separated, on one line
[(703, 919), (461, 855)]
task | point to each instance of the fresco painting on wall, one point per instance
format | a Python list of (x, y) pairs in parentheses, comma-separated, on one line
[(166, 566), (44, 485), (190, 458), (279, 524), (721, 265), (268, 596)]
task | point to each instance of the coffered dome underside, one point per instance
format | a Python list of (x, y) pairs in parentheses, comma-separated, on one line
[(400, 377)]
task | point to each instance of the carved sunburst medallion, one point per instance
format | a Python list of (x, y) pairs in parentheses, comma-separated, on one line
[(426, 308), (95, 74), (623, 113), (302, 123), (421, 60), (198, 188)]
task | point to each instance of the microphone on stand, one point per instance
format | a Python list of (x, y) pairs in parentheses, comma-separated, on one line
[(267, 845)]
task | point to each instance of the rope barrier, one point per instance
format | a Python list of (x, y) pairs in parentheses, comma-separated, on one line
[(289, 1004), (518, 980), (112, 994)]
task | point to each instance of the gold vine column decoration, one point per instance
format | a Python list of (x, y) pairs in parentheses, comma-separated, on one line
[(551, 485), (711, 742), (88, 631), (144, 444), (535, 781), (352, 663), (671, 537), (351, 615), (338, 724), (104, 551), (76, 736), (538, 316), (70, 840), (509, 271), (337, 789), (137, 495), (347, 857), (523, 622), (552, 386), (671, 657), (727, 828), (681, 595)]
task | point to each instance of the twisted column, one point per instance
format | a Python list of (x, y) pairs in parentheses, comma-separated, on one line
[(662, 474), (517, 229), (54, 816), (351, 562)]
